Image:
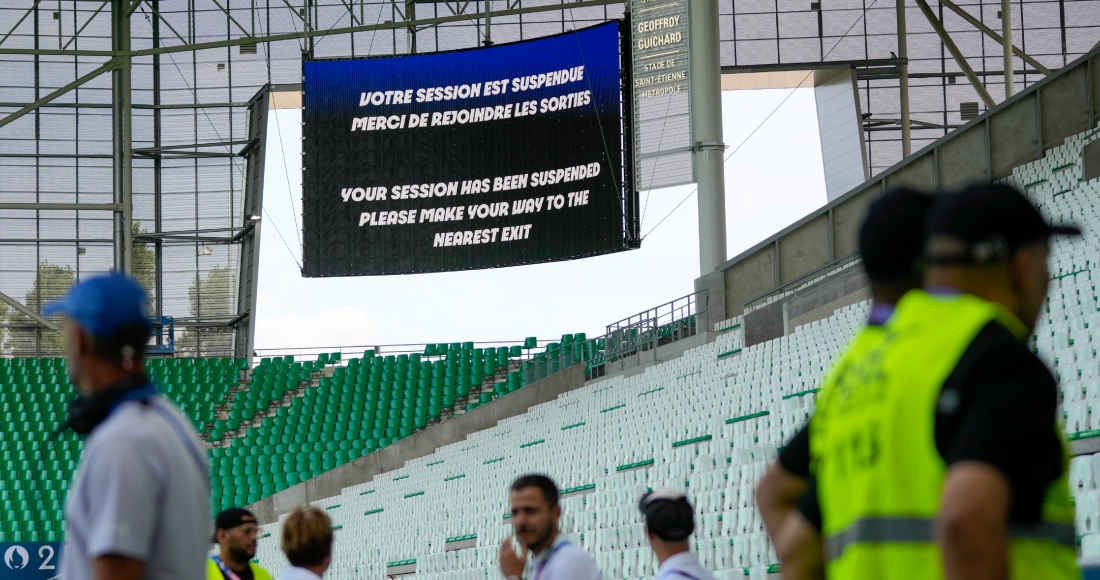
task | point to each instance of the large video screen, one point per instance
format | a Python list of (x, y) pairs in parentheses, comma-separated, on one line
[(511, 154)]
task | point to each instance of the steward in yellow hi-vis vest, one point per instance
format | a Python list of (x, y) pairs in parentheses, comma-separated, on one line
[(951, 389), (879, 474), (217, 570), (236, 533), (891, 245)]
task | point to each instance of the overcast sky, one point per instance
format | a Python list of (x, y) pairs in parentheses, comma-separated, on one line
[(774, 178)]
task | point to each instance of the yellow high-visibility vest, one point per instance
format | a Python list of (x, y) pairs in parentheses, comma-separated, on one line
[(214, 573), (879, 474)]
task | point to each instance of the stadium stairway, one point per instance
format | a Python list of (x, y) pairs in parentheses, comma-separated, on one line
[(707, 422), (242, 413), (273, 439), (262, 390)]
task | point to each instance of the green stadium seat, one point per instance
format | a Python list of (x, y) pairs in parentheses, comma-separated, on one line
[(366, 404)]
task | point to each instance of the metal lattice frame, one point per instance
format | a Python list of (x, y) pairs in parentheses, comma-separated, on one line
[(67, 208), (760, 35), (182, 75)]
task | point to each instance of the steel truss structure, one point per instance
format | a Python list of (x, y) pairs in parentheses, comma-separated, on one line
[(132, 132), (922, 67), (132, 138)]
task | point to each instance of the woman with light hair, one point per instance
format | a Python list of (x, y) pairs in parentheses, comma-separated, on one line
[(307, 543)]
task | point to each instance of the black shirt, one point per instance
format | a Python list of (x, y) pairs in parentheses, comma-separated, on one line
[(997, 407), (795, 457)]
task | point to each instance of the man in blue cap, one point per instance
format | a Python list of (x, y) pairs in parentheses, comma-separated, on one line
[(139, 502)]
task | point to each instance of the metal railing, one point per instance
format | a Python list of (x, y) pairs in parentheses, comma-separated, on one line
[(312, 352), (663, 324), (829, 269), (658, 326), (163, 337)]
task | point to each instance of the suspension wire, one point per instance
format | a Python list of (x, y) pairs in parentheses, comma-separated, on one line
[(781, 103)]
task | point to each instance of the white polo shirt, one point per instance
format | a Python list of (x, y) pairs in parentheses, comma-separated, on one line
[(683, 566), (296, 573), (563, 560), (142, 491)]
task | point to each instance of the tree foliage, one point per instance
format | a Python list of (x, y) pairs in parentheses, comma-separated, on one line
[(144, 262), (210, 296), (50, 283)]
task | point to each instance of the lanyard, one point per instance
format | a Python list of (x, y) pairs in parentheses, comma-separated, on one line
[(229, 574), (546, 560), (880, 313), (196, 455)]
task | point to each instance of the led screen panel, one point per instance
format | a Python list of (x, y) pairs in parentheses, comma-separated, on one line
[(511, 154)]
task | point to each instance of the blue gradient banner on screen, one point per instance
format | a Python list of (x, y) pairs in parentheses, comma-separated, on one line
[(481, 158)]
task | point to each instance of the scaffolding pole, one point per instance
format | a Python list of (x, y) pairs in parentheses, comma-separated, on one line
[(122, 149), (29, 313), (109, 65), (1006, 44), (410, 18), (903, 80), (956, 53)]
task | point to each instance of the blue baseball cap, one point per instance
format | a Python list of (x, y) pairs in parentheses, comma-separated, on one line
[(103, 304)]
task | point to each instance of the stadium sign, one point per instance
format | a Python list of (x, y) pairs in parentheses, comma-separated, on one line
[(30, 560), (662, 103), (512, 154)]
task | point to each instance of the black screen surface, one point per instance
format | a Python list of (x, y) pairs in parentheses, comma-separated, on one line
[(512, 154)]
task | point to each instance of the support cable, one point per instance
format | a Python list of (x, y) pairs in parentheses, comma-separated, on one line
[(289, 189), (286, 172), (776, 109), (239, 168)]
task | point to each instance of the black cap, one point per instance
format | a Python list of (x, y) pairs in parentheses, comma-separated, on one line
[(986, 223), (667, 514), (232, 517), (891, 239)]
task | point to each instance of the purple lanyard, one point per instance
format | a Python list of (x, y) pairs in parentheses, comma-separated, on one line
[(546, 560), (229, 574)]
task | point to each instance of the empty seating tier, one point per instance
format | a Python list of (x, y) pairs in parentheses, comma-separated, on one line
[(707, 422), (347, 411), (38, 462)]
